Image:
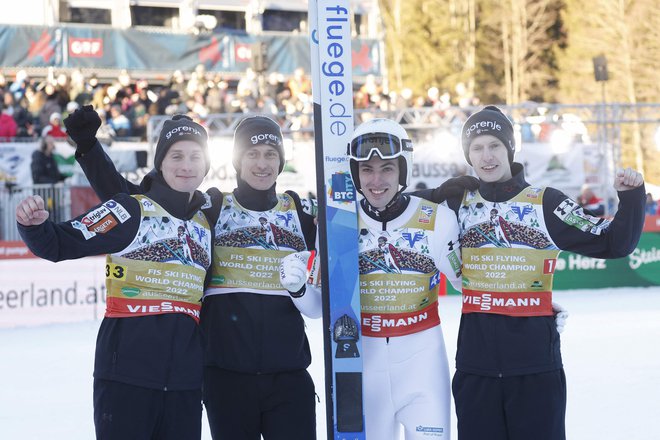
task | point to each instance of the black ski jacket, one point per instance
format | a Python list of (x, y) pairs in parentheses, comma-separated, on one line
[(243, 332), (499, 345), (162, 351)]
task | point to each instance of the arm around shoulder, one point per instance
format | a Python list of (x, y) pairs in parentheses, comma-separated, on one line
[(448, 255)]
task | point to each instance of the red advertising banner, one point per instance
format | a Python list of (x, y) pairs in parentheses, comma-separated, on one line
[(83, 198), (652, 223), (11, 250), (86, 47)]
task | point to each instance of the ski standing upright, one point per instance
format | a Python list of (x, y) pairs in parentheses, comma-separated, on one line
[(332, 89)]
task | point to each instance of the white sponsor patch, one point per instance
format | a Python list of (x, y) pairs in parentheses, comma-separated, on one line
[(94, 216), (207, 201), (118, 210), (82, 228), (147, 205), (572, 214), (309, 206)]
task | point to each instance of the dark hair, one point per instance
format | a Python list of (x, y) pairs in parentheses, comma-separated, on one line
[(44, 143)]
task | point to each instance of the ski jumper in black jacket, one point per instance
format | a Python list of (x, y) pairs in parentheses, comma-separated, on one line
[(149, 353), (256, 350), (510, 382)]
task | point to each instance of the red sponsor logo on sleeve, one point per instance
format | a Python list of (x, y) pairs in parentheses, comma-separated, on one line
[(104, 225)]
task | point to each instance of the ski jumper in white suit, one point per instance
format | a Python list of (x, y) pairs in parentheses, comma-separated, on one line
[(406, 376)]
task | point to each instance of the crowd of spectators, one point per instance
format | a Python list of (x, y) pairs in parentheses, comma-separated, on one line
[(34, 107), (126, 103)]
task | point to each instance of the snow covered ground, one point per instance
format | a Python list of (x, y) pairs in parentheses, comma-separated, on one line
[(611, 350)]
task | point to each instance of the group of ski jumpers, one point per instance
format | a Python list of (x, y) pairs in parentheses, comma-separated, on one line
[(495, 237)]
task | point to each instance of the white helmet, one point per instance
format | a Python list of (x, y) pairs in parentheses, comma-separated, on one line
[(385, 138)]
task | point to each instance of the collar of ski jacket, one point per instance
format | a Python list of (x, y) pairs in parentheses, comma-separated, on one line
[(395, 208), (255, 199), (502, 191), (174, 202)]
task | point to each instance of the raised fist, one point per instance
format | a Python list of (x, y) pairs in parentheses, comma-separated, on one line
[(627, 179), (31, 212), (81, 126)]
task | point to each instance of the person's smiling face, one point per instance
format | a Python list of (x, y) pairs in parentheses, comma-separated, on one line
[(184, 166), (490, 158), (259, 166), (379, 180)]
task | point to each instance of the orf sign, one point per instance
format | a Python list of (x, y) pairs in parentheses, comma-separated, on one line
[(86, 47)]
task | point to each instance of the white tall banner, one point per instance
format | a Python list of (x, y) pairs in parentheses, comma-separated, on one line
[(37, 292), (544, 167), (15, 160)]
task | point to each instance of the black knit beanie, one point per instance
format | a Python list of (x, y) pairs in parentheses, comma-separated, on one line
[(253, 131), (490, 120), (179, 128)]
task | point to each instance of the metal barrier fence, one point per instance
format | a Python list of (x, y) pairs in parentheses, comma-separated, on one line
[(56, 196), (610, 124), (593, 116)]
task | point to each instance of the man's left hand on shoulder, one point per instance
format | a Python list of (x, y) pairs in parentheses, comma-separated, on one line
[(627, 179)]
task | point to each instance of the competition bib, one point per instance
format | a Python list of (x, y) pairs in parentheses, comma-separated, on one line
[(398, 276), (508, 256), (163, 269), (249, 246)]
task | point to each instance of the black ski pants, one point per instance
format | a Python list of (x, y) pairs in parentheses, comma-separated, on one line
[(129, 412), (279, 406), (531, 406)]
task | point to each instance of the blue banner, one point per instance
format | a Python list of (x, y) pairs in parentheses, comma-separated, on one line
[(79, 47)]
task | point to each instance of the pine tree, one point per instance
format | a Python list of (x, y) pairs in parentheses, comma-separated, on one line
[(626, 33)]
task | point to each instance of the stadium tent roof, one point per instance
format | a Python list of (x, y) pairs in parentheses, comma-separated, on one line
[(358, 6)]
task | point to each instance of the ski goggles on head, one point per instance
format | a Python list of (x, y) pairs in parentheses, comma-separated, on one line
[(386, 146)]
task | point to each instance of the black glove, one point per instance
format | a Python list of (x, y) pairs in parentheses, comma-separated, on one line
[(454, 187), (81, 126)]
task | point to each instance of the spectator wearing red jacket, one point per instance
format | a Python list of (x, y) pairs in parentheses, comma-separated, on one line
[(8, 127), (590, 201), (54, 129)]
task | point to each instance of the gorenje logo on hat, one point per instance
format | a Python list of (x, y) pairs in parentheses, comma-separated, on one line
[(265, 138), (184, 129), (483, 126)]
